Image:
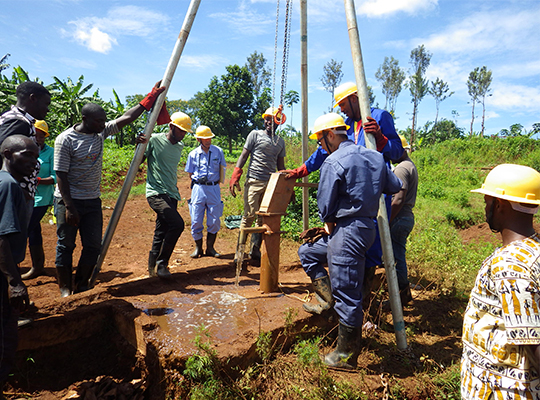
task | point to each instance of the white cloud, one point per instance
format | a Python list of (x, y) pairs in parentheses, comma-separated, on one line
[(494, 31), (518, 70), (383, 8), (508, 96), (246, 20), (100, 34), (76, 63), (203, 61)]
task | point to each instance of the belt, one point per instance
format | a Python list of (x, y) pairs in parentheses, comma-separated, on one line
[(205, 183)]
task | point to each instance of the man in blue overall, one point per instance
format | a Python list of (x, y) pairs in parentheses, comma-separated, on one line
[(381, 126), (205, 166), (352, 181)]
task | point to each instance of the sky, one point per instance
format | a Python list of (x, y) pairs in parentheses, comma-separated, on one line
[(126, 45)]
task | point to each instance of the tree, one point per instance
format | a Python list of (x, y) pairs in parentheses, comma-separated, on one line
[(291, 98), (418, 85), (73, 98), (332, 75), (391, 77), (227, 104), (478, 85), (3, 64), (435, 133), (439, 90), (260, 75)]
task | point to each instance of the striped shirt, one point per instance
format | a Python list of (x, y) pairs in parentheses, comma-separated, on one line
[(80, 155)]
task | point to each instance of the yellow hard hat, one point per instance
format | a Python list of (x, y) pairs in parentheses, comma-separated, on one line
[(328, 121), (42, 126), (279, 116), (343, 91), (404, 143), (204, 132), (512, 182), (182, 121)]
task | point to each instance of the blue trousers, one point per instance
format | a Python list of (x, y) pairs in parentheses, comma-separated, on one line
[(205, 199), (400, 228)]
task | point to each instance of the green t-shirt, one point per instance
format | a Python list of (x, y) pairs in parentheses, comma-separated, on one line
[(162, 158)]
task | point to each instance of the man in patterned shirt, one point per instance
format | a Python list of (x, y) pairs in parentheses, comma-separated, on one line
[(501, 327)]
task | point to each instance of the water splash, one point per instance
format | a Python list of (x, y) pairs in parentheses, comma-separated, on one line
[(240, 260)]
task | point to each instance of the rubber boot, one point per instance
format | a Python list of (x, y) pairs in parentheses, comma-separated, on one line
[(405, 295), (210, 241), (163, 260), (152, 257), (323, 292), (38, 262), (348, 348), (64, 280), (82, 278), (198, 249), (256, 240)]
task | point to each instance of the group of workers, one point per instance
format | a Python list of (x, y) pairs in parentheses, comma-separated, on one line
[(501, 334)]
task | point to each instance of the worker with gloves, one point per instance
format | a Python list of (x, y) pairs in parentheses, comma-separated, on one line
[(351, 182), (267, 155), (501, 325), (206, 168), (381, 126), (78, 158), (163, 156)]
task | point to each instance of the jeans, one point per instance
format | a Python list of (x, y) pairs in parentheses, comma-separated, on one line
[(90, 228), (169, 226), (34, 227), (400, 228)]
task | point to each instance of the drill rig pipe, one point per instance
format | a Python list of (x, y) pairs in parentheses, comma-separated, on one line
[(149, 128), (382, 217)]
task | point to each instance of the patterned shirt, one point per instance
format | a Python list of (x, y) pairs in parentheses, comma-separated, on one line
[(502, 325), (81, 156)]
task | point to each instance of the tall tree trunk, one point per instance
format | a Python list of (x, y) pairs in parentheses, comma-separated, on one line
[(415, 105), (483, 115), (472, 119)]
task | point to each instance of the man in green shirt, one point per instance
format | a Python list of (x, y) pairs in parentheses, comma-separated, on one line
[(163, 155)]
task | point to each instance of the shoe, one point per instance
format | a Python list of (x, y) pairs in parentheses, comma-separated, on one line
[(198, 249), (323, 293), (38, 263), (163, 271), (152, 257), (210, 241), (348, 348)]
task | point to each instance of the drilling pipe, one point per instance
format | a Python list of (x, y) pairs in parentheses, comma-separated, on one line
[(382, 217), (148, 129)]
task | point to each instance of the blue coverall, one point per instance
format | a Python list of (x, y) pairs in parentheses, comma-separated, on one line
[(313, 255), (205, 192), (352, 181)]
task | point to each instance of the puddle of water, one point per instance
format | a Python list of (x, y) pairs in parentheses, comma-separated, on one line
[(223, 313)]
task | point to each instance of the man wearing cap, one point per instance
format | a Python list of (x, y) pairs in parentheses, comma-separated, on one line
[(78, 159), (43, 199), (501, 325), (163, 154), (402, 217), (266, 151), (352, 181), (206, 168)]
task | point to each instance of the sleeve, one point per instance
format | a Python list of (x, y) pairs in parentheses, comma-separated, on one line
[(393, 183), (404, 176), (519, 293), (9, 222), (314, 162), (62, 154), (222, 155), (328, 193), (190, 165), (14, 127), (111, 128), (393, 149), (250, 141)]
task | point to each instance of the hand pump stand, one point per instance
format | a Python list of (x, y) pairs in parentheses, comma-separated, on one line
[(382, 217), (139, 151)]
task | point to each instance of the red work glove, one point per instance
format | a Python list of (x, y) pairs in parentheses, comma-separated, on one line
[(373, 128), (235, 181), (163, 117), (313, 234), (297, 173), (151, 97)]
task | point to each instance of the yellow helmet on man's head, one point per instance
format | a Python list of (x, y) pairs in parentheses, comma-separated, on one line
[(343, 91), (276, 113), (328, 121), (182, 121), (512, 182), (204, 132), (42, 126), (404, 143)]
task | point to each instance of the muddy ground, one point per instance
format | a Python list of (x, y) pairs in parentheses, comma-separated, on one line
[(66, 366)]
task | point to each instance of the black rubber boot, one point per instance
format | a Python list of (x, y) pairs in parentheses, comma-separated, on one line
[(152, 257), (323, 292), (82, 278), (38, 262), (198, 249), (163, 260), (348, 348), (405, 295), (256, 240), (210, 241), (64, 280)]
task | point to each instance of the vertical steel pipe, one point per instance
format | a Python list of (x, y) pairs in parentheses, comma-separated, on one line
[(304, 104), (139, 151), (382, 217)]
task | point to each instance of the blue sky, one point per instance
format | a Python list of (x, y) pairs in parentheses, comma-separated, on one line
[(126, 45)]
